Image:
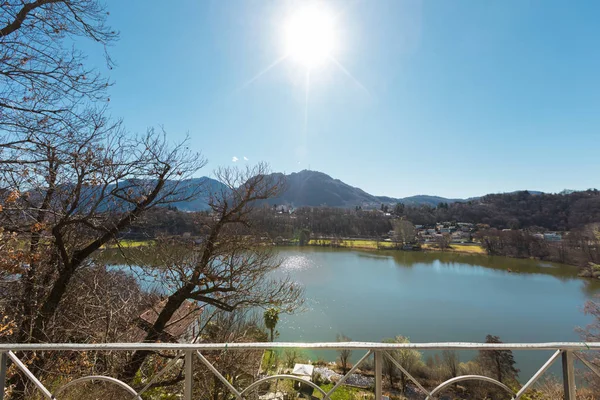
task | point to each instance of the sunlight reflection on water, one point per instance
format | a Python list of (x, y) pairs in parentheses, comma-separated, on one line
[(432, 298), (297, 263), (314, 314)]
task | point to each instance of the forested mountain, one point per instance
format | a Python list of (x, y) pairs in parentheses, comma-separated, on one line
[(522, 209), (562, 211), (311, 189), (206, 187), (195, 191), (307, 189), (427, 200), (314, 189), (518, 210)]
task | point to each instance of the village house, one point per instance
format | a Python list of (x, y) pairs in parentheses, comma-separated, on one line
[(183, 327), (552, 237), (460, 237)]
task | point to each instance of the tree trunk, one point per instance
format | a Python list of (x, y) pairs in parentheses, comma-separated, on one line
[(403, 381), (499, 368), (45, 314), (391, 378), (216, 387), (173, 303), (51, 304)]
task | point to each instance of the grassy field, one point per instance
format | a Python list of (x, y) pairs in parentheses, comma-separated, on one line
[(130, 243), (347, 243), (353, 243), (135, 243), (373, 245), (344, 392), (267, 361), (458, 248)]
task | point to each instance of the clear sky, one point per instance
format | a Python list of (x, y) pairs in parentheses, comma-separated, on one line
[(451, 98)]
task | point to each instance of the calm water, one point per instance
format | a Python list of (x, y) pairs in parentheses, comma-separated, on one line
[(434, 297)]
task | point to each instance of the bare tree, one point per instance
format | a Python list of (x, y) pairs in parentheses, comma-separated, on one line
[(591, 333), (410, 360), (344, 354), (404, 231), (232, 268), (101, 305), (444, 240), (44, 81), (239, 367), (291, 356), (451, 363), (66, 194), (70, 179)]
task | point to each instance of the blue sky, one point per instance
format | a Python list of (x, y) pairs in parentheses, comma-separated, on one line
[(452, 98)]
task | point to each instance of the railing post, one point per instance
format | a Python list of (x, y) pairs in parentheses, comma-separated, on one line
[(3, 366), (378, 367), (568, 375), (188, 374)]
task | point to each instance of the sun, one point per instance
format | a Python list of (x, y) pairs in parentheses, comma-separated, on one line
[(310, 36)]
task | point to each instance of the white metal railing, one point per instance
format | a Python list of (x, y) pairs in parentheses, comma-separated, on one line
[(567, 352)]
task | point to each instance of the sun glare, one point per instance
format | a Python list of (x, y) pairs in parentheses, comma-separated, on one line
[(310, 36)]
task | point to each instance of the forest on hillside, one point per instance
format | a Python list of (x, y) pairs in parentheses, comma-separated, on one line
[(520, 210)]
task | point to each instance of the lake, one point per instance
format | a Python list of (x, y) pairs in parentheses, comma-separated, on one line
[(434, 297)]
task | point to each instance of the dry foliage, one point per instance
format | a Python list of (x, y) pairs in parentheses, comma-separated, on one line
[(231, 269), (71, 179)]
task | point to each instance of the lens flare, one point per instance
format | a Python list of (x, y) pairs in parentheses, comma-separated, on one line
[(310, 36)]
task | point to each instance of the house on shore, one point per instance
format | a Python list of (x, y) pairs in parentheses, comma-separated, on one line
[(183, 327)]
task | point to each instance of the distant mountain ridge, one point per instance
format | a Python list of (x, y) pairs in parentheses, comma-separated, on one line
[(314, 189), (429, 200), (209, 187)]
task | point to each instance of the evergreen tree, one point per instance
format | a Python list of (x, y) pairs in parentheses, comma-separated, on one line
[(498, 363)]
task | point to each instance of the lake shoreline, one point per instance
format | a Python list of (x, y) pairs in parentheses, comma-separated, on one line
[(472, 249), (587, 272), (373, 295)]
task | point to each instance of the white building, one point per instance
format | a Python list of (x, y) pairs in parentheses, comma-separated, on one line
[(552, 237), (304, 371)]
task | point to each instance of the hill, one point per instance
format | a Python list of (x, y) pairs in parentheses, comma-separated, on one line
[(524, 209), (428, 200), (312, 188), (205, 186), (315, 189)]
